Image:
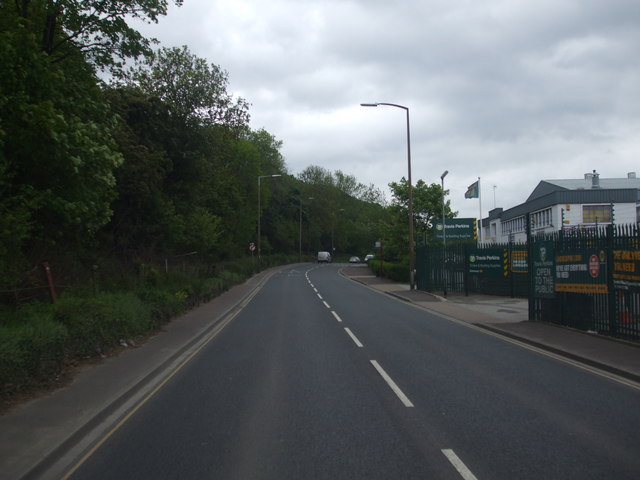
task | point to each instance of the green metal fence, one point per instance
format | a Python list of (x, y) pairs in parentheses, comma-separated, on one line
[(467, 268), (587, 279), (597, 281)]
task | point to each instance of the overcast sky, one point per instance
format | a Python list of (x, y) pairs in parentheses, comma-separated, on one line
[(512, 91)]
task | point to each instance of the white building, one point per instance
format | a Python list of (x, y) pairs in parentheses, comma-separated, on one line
[(568, 204)]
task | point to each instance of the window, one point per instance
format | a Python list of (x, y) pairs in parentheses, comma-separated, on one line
[(541, 218), (514, 225), (596, 213)]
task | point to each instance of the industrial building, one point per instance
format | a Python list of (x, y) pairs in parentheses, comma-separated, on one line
[(567, 204)]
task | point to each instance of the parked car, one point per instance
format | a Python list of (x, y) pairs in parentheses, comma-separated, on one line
[(324, 257), (369, 257), (354, 260)]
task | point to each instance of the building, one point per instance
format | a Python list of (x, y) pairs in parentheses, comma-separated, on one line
[(567, 204)]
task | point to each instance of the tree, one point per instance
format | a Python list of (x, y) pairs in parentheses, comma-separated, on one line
[(144, 217), (268, 149), (58, 153), (97, 29), (195, 90), (427, 205), (316, 175), (427, 202)]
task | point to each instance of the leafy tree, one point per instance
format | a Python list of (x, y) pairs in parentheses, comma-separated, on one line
[(144, 217), (316, 175), (58, 153), (342, 218), (427, 201), (95, 28), (186, 136), (195, 90), (372, 194), (268, 149), (427, 205), (347, 184)]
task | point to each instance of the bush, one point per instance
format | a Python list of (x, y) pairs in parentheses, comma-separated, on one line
[(163, 304), (398, 272), (99, 322), (31, 350)]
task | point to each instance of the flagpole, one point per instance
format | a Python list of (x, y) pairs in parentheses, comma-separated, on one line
[(480, 202)]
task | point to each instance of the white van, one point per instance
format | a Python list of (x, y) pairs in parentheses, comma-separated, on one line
[(324, 257)]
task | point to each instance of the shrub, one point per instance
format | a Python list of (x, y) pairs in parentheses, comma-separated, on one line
[(163, 304), (30, 350), (398, 272), (99, 322)]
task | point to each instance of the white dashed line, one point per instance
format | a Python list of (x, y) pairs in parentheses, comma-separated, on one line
[(353, 337), (336, 315), (459, 465), (403, 398), (326, 305)]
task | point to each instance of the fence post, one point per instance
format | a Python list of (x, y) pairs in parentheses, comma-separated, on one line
[(465, 275), (532, 300), (52, 289), (510, 270), (613, 311)]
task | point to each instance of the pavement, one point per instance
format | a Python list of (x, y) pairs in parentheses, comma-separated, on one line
[(40, 438)]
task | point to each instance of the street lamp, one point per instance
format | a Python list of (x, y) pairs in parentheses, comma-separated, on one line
[(259, 196), (300, 231), (411, 250), (444, 239), (333, 226)]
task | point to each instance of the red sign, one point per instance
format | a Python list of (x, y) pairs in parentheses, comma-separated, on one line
[(594, 266)]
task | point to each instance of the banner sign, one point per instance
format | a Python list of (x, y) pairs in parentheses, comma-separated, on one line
[(626, 269), (543, 270), (488, 261), (581, 271), (456, 228), (519, 262)]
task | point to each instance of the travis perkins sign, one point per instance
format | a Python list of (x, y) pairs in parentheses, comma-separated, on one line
[(456, 228)]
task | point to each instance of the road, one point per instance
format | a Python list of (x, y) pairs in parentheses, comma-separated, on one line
[(319, 377)]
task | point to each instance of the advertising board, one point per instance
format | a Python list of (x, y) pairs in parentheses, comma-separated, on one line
[(581, 271)]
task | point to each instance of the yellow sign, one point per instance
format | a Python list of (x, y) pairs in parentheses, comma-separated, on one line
[(582, 287)]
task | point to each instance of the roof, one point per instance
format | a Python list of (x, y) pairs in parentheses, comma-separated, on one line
[(548, 186), (555, 192)]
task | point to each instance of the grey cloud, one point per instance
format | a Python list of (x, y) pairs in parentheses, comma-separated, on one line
[(513, 91)]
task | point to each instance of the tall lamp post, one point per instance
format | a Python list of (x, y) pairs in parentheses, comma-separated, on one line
[(411, 250), (300, 231), (333, 227), (259, 211), (444, 239)]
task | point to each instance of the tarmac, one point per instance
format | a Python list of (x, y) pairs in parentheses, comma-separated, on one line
[(40, 438)]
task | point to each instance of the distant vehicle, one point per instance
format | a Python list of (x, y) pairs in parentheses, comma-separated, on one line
[(354, 260), (369, 257), (324, 257)]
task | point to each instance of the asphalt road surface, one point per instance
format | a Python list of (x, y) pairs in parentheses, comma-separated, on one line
[(322, 378)]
